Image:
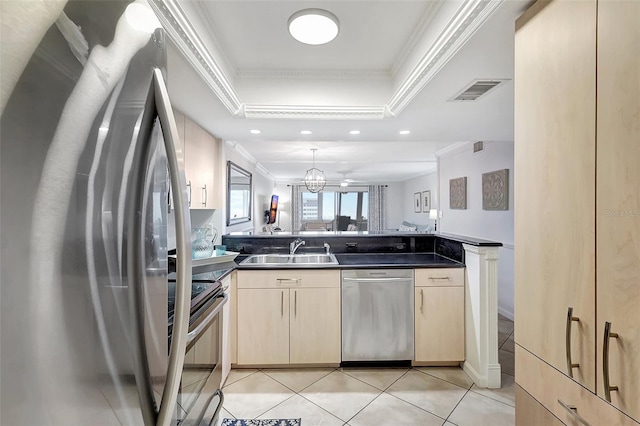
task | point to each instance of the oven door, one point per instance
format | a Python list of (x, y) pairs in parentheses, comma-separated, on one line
[(200, 398)]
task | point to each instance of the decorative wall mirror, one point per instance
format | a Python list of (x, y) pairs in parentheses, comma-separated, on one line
[(238, 194)]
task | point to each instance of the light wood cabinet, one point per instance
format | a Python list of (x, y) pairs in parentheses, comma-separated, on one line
[(554, 194), (439, 315), (263, 326), (618, 200), (577, 199), (227, 330), (556, 391), (531, 413), (314, 325), (203, 164), (288, 317)]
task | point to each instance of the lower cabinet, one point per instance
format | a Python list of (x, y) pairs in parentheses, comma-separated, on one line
[(439, 315), (531, 413), (288, 317), (565, 398)]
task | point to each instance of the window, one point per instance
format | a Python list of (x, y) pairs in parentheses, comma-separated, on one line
[(327, 205)]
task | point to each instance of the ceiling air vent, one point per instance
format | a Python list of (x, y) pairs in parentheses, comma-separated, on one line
[(476, 89), (478, 146)]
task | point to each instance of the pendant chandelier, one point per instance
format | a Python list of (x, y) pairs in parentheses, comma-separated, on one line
[(314, 180)]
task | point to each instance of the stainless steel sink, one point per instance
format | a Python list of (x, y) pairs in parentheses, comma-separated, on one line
[(297, 260)]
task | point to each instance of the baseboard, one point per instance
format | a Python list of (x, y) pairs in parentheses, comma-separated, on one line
[(506, 313), (492, 380)]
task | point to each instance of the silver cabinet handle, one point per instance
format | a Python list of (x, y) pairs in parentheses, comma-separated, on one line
[(421, 299), (574, 412), (605, 361), (439, 278), (570, 319), (295, 304), (204, 196), (282, 281), (189, 193), (282, 304), (175, 157)]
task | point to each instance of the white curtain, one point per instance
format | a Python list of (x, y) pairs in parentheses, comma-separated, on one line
[(296, 212), (377, 208)]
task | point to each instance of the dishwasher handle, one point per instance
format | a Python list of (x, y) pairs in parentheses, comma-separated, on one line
[(381, 279)]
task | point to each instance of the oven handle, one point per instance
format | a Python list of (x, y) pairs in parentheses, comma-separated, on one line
[(195, 333)]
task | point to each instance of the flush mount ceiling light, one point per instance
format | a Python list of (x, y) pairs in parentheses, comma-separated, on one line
[(306, 132), (404, 132), (354, 132), (314, 180), (313, 26), (255, 132)]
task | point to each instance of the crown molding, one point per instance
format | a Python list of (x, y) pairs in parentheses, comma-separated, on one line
[(420, 29), (467, 20), (315, 112), (454, 149), (182, 33)]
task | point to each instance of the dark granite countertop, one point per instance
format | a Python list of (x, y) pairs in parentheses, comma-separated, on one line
[(357, 234), (414, 260), (374, 260)]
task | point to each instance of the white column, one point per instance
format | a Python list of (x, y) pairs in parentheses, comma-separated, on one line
[(481, 316)]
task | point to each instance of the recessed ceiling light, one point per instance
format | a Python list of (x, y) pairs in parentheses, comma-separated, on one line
[(255, 132), (354, 132), (306, 132), (405, 132), (313, 26)]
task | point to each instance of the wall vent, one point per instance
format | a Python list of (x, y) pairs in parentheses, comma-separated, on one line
[(476, 89), (478, 146)]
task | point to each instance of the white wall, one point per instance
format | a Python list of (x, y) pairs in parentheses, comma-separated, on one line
[(395, 203), (262, 186), (427, 182), (474, 221)]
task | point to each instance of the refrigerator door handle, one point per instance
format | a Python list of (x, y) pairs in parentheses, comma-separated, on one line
[(175, 158)]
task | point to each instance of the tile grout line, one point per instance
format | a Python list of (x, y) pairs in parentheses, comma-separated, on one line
[(444, 380), (454, 408), (378, 396), (267, 374)]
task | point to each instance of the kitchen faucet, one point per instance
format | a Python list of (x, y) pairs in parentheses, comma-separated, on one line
[(327, 247), (295, 244)]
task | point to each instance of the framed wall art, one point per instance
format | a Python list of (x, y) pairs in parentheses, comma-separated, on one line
[(426, 201), (417, 202), (458, 193), (495, 190)]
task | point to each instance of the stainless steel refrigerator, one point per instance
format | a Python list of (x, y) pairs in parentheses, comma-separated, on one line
[(88, 151)]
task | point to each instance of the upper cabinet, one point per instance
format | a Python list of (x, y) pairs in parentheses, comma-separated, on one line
[(203, 164), (577, 198)]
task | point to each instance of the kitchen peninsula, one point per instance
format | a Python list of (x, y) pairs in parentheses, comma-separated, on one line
[(469, 264)]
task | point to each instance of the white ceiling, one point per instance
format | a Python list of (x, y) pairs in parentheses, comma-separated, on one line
[(375, 77)]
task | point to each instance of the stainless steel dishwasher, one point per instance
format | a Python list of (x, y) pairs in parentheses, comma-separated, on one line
[(377, 315)]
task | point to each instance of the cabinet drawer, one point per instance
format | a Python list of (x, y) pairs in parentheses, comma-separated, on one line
[(549, 386), (439, 277), (289, 278)]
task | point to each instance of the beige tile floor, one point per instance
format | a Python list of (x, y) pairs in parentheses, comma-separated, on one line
[(382, 396)]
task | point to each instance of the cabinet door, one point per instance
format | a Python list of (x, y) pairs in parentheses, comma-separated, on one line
[(439, 325), (263, 326), (315, 325), (201, 163), (530, 412), (618, 199), (555, 84)]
